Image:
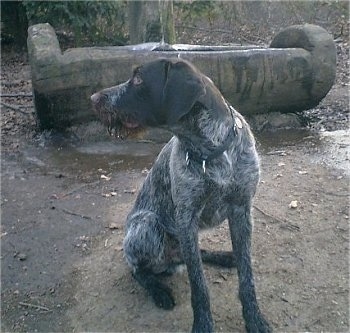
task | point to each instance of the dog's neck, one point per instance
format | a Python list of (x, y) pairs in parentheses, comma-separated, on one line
[(205, 134), (202, 154), (211, 126)]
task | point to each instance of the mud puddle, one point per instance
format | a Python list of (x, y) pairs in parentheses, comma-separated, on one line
[(63, 212)]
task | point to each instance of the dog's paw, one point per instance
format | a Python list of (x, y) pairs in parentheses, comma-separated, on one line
[(258, 325), (163, 298)]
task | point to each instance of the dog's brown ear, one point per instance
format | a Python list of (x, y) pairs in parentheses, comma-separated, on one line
[(182, 89)]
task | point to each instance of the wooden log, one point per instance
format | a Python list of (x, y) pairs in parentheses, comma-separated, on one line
[(294, 74)]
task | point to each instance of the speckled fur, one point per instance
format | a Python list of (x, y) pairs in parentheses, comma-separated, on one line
[(179, 197)]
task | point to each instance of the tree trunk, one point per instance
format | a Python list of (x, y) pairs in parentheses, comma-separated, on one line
[(150, 21), (167, 21), (136, 21)]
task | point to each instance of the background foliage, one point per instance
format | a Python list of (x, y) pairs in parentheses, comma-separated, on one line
[(86, 23)]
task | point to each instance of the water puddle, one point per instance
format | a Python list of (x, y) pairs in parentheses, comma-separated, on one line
[(335, 150), (330, 149), (271, 140), (90, 157)]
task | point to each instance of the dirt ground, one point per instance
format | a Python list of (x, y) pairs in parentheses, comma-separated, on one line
[(64, 203)]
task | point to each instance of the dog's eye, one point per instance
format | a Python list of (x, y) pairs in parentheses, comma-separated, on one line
[(137, 80)]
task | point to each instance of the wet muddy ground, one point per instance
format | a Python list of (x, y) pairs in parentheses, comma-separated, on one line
[(63, 207)]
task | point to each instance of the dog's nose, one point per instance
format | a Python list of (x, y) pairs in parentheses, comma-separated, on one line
[(95, 98)]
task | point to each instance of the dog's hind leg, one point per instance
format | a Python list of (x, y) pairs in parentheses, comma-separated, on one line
[(225, 259), (160, 293), (145, 251)]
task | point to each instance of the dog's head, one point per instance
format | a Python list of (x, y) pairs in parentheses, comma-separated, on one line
[(158, 94)]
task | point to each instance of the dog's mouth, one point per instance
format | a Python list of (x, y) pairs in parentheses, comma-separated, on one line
[(118, 127), (117, 123), (123, 130)]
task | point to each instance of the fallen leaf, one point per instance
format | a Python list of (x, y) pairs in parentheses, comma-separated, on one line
[(132, 191), (302, 172), (293, 204), (21, 256), (217, 281), (145, 171), (113, 225)]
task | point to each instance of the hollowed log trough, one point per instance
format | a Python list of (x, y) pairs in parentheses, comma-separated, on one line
[(293, 74)]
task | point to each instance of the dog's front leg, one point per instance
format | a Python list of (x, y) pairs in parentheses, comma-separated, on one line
[(188, 237), (241, 228)]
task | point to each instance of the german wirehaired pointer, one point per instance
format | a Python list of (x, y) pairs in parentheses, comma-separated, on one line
[(207, 172)]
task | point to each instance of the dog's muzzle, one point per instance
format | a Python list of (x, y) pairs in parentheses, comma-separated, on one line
[(118, 124)]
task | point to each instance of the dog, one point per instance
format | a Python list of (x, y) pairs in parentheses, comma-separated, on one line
[(208, 172)]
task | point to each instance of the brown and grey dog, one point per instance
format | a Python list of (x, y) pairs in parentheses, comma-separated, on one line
[(207, 173)]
